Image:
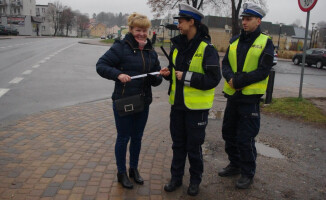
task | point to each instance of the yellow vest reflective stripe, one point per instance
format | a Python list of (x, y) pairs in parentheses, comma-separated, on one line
[(250, 64), (194, 99)]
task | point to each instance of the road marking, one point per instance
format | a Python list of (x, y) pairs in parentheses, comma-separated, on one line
[(35, 66), (47, 58), (42, 61), (27, 72), (16, 80), (3, 91)]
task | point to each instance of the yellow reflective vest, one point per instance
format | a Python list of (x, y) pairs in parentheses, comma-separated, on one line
[(250, 64), (194, 99)]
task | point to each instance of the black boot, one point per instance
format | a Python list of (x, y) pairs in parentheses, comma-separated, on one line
[(230, 170), (133, 173), (193, 189), (172, 185), (244, 182), (124, 180)]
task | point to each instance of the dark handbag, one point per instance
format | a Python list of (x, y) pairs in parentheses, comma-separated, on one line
[(130, 105)]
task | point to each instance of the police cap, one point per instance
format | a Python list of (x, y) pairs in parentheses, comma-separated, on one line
[(253, 10), (187, 11)]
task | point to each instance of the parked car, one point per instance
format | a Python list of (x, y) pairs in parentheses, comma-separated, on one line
[(315, 56), (12, 30), (7, 30), (4, 30), (103, 37), (275, 58)]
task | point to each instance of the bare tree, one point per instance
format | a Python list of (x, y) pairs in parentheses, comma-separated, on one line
[(296, 23), (67, 19), (322, 33), (53, 14), (321, 24), (82, 22), (161, 6)]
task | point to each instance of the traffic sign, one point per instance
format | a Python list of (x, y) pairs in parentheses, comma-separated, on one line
[(307, 5)]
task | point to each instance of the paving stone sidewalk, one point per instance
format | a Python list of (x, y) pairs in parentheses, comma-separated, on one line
[(68, 153)]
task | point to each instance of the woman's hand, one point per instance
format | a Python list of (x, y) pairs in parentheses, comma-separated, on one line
[(124, 78), (178, 74), (165, 71)]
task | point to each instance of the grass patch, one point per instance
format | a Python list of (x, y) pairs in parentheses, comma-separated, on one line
[(159, 44), (295, 108), (108, 41)]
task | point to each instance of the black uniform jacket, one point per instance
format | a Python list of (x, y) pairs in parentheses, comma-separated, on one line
[(186, 50), (242, 79), (125, 57)]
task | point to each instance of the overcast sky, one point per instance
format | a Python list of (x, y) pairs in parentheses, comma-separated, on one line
[(279, 11)]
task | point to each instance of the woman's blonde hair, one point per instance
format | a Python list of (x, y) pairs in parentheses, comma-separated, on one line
[(138, 20)]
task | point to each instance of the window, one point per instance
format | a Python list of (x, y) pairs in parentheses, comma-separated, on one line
[(43, 28), (43, 19), (18, 11), (309, 51), (43, 10)]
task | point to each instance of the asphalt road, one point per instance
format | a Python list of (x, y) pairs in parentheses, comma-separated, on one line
[(47, 73), (38, 74), (289, 75)]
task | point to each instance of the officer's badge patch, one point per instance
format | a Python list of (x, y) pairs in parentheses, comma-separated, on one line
[(202, 123)]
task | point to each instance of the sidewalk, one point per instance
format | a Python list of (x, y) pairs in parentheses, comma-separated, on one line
[(68, 153)]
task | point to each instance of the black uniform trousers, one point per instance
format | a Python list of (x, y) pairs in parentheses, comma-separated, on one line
[(241, 125), (188, 134)]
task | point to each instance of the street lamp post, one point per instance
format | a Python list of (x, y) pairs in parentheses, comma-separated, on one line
[(312, 33), (279, 35), (316, 35), (163, 33)]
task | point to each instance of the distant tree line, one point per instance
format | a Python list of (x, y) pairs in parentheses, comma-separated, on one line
[(111, 19), (62, 18)]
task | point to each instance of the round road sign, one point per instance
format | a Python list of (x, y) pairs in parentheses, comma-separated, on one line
[(307, 5)]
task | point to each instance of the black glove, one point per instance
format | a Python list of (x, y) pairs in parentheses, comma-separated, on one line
[(151, 79)]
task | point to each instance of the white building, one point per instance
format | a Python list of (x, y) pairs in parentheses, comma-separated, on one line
[(20, 14), (45, 28)]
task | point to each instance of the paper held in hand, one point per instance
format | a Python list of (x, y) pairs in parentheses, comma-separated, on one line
[(144, 75)]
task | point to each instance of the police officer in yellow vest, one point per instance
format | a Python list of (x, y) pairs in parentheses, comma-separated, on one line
[(245, 67), (194, 73)]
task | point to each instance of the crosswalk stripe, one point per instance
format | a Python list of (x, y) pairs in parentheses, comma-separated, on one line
[(3, 91), (16, 80)]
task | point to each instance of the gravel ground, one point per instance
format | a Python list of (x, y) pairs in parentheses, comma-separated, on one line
[(300, 175)]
